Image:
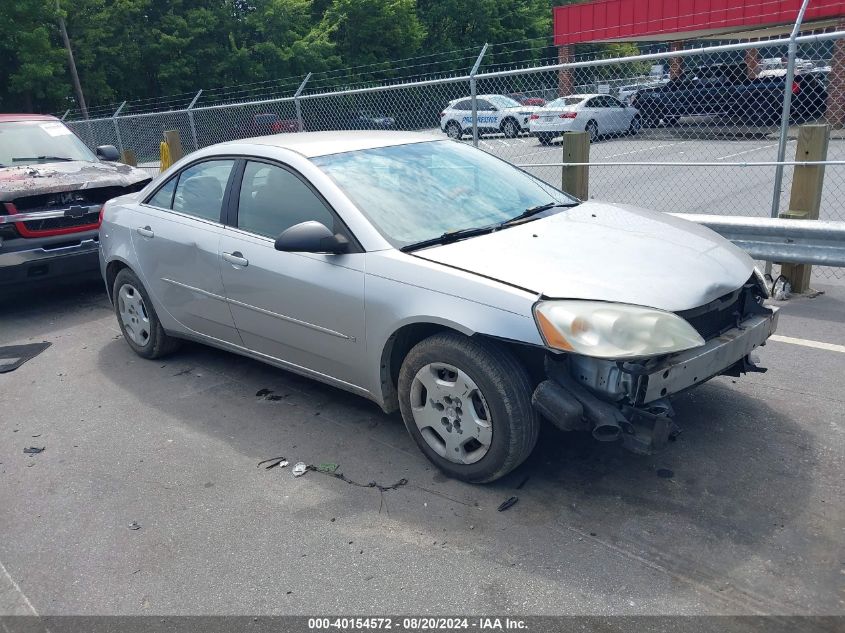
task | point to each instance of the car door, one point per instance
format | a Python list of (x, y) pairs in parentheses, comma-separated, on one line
[(176, 240), (306, 309), (618, 115), (595, 110)]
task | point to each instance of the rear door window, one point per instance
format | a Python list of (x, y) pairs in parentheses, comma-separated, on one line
[(199, 191)]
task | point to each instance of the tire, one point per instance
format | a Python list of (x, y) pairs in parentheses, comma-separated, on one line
[(635, 126), (137, 318), (477, 384), (592, 128), (545, 139), (510, 128), (453, 130), (670, 121)]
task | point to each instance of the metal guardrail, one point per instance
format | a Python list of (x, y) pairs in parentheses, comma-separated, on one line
[(778, 240)]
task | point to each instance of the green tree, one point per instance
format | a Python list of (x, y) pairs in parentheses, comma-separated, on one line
[(33, 65)]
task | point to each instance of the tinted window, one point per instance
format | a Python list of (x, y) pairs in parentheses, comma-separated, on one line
[(273, 199), (483, 105), (164, 196), (463, 105), (200, 189)]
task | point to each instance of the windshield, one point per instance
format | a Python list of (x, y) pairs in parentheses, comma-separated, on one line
[(565, 101), (26, 142), (501, 101), (420, 191)]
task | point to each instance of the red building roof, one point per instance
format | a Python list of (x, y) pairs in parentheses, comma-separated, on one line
[(652, 20)]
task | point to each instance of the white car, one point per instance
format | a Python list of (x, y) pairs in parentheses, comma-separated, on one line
[(496, 114), (592, 113)]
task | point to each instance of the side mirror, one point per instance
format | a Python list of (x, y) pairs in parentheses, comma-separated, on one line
[(108, 152), (311, 237)]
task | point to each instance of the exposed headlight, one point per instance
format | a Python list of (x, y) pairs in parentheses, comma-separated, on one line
[(613, 330)]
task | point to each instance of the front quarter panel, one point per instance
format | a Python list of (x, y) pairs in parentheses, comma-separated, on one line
[(402, 289)]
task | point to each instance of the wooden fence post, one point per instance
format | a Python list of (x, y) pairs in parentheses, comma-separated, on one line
[(576, 179), (806, 194), (174, 142)]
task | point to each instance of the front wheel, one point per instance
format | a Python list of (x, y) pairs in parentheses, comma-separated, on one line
[(467, 404), (635, 126), (137, 318)]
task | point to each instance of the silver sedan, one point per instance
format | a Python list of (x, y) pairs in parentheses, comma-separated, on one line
[(438, 280)]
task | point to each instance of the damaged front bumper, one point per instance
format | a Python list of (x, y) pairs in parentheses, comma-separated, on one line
[(629, 400)]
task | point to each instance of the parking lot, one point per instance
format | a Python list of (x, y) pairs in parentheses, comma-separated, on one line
[(746, 518)]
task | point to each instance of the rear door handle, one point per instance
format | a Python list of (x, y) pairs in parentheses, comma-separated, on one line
[(146, 231), (236, 258)]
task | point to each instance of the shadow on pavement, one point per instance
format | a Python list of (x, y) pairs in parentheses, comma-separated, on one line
[(726, 519)]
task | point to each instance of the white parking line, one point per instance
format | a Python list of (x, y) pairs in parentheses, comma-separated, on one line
[(17, 589), (830, 347), (748, 151), (645, 149)]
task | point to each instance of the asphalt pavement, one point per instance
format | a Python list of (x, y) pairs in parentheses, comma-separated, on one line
[(747, 519)]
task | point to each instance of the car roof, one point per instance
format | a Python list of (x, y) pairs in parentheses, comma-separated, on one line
[(482, 97), (313, 144), (27, 117)]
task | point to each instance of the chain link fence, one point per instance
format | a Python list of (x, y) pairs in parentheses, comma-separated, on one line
[(697, 130)]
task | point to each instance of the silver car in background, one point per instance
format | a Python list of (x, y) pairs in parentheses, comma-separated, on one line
[(438, 280)]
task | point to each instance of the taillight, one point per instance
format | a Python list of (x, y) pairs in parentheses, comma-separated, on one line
[(534, 117), (100, 218), (796, 87), (568, 115)]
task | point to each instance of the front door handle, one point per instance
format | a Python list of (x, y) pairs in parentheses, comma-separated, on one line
[(146, 231), (236, 258)]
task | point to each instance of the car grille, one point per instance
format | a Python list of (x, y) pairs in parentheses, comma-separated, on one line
[(724, 313), (92, 198)]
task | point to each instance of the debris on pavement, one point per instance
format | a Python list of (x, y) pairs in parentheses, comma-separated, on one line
[(134, 525), (300, 469), (507, 504), (273, 462), (328, 467), (13, 356), (268, 394), (34, 450), (665, 473)]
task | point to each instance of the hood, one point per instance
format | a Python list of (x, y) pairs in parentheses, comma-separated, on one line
[(606, 252), (30, 180)]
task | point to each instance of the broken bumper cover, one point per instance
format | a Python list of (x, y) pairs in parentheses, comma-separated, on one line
[(628, 400)]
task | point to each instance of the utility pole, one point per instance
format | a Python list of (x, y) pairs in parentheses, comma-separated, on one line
[(77, 87)]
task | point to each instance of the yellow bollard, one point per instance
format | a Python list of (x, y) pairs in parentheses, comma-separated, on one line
[(164, 152)]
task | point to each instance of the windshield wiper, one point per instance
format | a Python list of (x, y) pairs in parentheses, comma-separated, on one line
[(451, 236), (532, 211), (454, 236), (21, 159)]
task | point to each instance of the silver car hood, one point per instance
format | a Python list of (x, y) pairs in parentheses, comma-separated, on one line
[(606, 252)]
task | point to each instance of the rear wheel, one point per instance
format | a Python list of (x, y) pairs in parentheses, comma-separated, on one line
[(467, 404), (510, 128), (453, 130), (544, 139), (137, 317), (592, 128)]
